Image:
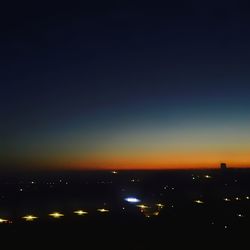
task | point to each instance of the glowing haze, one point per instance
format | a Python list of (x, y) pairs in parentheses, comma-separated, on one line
[(125, 87), (194, 141)]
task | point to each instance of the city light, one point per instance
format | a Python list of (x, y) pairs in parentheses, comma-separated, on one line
[(3, 220), (208, 176), (29, 217), (102, 210), (142, 206), (199, 201), (156, 213), (159, 205), (56, 215), (80, 212)]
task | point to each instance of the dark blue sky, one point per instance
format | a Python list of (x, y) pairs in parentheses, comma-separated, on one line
[(72, 74)]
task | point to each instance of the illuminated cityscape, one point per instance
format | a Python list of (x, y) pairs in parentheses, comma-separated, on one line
[(185, 201)]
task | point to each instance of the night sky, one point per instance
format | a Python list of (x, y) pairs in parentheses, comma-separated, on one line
[(118, 85)]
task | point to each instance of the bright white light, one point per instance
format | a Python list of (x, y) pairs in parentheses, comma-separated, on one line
[(132, 200)]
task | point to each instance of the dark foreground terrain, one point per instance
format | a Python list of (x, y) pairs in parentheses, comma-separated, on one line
[(198, 209)]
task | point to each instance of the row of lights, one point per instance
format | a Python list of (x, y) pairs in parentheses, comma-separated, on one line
[(55, 215), (225, 199), (103, 210), (236, 198)]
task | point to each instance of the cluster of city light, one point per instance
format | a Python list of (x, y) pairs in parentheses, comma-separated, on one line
[(152, 210), (206, 176)]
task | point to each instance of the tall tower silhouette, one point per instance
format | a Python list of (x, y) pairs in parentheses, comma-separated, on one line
[(223, 166)]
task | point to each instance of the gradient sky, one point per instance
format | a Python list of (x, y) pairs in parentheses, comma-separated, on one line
[(125, 85)]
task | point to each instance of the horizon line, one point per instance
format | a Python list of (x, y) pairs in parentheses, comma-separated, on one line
[(120, 170)]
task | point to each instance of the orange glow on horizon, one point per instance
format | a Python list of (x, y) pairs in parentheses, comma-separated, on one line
[(130, 165), (151, 167), (188, 160), (143, 160)]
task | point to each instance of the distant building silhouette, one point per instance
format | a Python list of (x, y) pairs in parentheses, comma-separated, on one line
[(223, 166)]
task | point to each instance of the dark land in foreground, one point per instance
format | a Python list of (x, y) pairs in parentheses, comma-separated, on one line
[(194, 208)]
